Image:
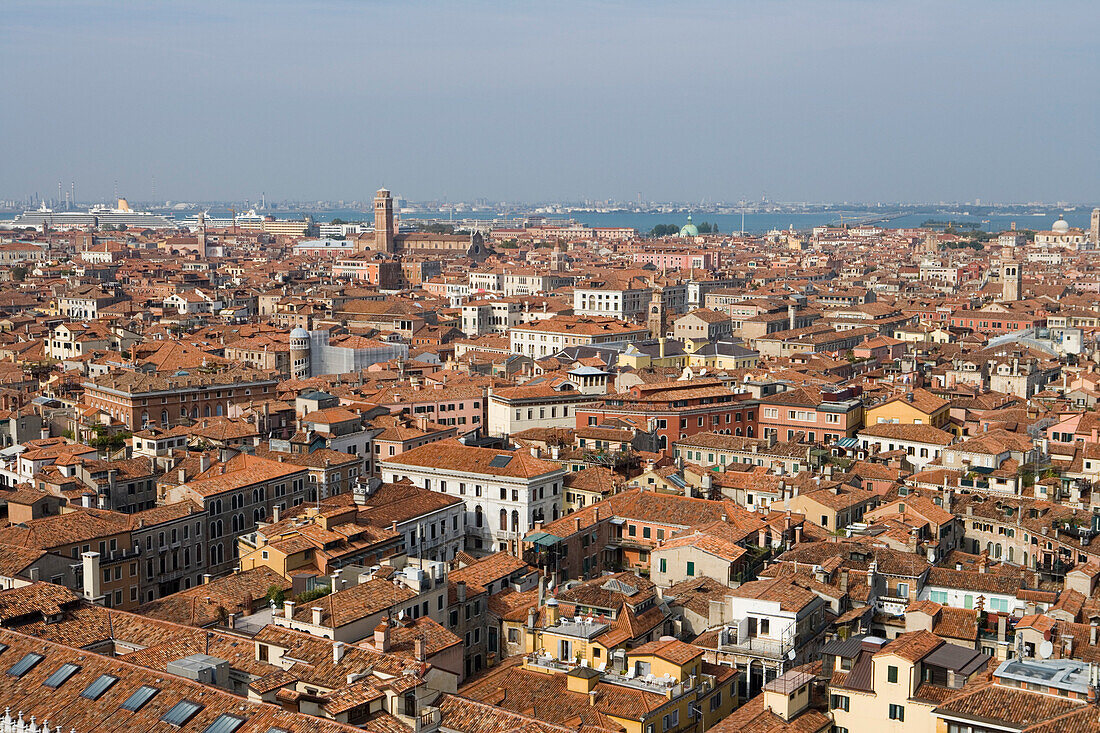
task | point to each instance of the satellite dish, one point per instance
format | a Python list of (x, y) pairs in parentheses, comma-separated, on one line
[(1046, 649), (791, 655)]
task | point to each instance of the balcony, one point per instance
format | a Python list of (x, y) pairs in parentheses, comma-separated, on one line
[(547, 662), (758, 646), (127, 553), (667, 686), (427, 720)]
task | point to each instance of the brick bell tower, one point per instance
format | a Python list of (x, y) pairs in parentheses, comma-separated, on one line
[(383, 222), (656, 320)]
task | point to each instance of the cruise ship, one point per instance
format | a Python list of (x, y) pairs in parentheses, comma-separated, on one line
[(244, 220), (97, 216)]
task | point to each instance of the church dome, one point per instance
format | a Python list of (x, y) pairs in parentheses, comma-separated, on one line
[(299, 333), (1060, 226), (689, 229)]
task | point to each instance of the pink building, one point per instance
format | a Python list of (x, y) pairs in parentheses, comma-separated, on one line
[(677, 260)]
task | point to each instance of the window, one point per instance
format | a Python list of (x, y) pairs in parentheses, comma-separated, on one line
[(664, 565), (903, 590), (181, 712), (141, 696), (897, 712), (938, 596), (892, 674), (838, 702), (64, 672), (95, 690), (691, 569)]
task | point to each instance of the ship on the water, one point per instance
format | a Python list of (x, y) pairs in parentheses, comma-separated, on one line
[(97, 216)]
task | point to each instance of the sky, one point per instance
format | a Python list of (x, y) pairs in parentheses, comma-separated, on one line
[(799, 100)]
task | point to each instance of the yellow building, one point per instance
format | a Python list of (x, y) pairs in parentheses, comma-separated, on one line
[(663, 686), (723, 355), (666, 353), (317, 542), (894, 687), (916, 407)]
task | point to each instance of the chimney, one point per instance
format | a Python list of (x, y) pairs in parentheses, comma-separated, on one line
[(791, 317), (316, 617), (552, 612), (204, 462), (232, 621), (206, 578), (532, 617), (843, 580), (288, 609), (338, 650), (1093, 627), (592, 698), (276, 512), (420, 649), (86, 500), (92, 587), (460, 591)]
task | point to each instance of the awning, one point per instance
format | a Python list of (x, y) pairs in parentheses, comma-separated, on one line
[(545, 539), (847, 442), (618, 520)]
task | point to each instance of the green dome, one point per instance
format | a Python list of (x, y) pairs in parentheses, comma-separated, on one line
[(689, 229)]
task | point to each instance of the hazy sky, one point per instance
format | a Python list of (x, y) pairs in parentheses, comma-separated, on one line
[(521, 100)]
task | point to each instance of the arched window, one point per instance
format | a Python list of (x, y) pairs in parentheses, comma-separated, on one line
[(164, 418), (218, 410), (206, 411), (503, 519), (515, 521), (478, 517)]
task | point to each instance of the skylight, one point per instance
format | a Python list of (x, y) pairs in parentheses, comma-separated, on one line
[(64, 672), (25, 664), (141, 696), (95, 690), (224, 723), (500, 461), (181, 712)]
